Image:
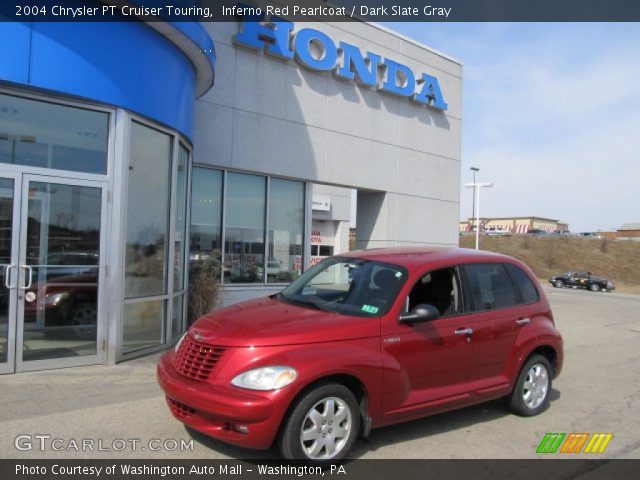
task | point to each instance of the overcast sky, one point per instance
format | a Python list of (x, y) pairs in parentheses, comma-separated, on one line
[(551, 116)]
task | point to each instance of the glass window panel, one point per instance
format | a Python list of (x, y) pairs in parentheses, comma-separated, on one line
[(6, 148), (147, 212), (63, 225), (206, 216), (177, 317), (244, 228), (528, 291), (143, 325), (286, 226), (28, 152), (6, 219), (6, 229), (181, 209), (41, 134), (490, 286)]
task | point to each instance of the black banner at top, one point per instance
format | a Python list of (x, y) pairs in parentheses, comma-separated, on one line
[(322, 10)]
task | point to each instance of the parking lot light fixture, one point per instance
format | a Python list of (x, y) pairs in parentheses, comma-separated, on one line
[(473, 208), (476, 189)]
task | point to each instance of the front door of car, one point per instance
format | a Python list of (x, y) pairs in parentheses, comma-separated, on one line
[(577, 279), (427, 364)]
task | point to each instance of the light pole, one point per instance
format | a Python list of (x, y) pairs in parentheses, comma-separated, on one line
[(476, 190), (473, 210)]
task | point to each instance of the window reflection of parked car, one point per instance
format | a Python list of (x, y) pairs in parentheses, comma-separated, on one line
[(277, 273), (274, 268), (66, 301), (591, 235), (581, 280), (561, 233), (364, 340), (537, 232), (497, 232)]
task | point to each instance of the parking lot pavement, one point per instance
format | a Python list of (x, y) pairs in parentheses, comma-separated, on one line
[(598, 391)]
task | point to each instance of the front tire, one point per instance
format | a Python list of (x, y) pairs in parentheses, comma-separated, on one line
[(594, 287), (322, 426), (530, 395)]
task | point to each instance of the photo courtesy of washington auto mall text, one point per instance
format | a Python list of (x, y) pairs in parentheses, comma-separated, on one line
[(184, 469)]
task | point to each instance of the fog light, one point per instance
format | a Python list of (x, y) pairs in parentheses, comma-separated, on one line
[(241, 429)]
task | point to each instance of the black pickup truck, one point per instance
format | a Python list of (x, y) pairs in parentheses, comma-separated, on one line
[(581, 280)]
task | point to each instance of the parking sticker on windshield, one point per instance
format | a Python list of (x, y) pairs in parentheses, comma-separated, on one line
[(370, 309)]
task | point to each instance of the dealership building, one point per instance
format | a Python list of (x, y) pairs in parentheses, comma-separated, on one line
[(516, 225), (226, 149)]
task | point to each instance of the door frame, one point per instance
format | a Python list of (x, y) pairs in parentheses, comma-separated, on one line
[(12, 293), (23, 179)]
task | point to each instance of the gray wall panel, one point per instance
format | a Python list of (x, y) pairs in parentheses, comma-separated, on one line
[(265, 115)]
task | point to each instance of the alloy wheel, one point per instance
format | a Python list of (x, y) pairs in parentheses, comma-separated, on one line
[(326, 429), (536, 385)]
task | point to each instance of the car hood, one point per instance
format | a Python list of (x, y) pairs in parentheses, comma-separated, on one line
[(266, 322)]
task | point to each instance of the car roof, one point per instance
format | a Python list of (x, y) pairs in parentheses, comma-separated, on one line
[(411, 257)]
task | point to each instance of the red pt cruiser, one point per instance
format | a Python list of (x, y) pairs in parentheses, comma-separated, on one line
[(364, 340)]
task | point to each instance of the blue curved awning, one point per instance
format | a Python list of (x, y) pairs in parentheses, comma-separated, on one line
[(155, 69)]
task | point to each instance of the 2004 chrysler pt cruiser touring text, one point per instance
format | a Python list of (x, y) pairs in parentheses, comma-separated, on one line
[(364, 340)]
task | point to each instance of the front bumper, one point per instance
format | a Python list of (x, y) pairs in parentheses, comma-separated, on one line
[(219, 411)]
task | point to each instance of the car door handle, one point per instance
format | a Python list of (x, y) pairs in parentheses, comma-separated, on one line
[(523, 321), (464, 331)]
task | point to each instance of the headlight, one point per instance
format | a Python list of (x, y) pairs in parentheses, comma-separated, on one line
[(56, 298), (266, 378), (175, 349)]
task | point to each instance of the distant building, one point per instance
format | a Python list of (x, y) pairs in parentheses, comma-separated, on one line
[(516, 225), (629, 231)]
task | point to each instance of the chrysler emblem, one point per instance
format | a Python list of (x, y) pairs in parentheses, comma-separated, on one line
[(197, 336)]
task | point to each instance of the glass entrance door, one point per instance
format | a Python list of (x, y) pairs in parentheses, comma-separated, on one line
[(53, 278)]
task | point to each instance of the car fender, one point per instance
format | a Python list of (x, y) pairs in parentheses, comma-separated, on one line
[(359, 359), (527, 341)]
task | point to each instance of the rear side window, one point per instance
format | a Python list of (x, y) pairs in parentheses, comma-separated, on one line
[(528, 292), (490, 286)]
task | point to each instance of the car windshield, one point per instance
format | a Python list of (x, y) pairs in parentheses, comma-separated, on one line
[(351, 286)]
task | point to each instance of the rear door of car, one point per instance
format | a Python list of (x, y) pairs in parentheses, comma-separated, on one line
[(493, 306)]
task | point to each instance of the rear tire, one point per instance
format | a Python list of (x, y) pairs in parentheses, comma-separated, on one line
[(322, 426), (558, 284), (594, 287), (530, 395)]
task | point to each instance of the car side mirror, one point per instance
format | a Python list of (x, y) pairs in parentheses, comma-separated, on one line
[(422, 312)]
